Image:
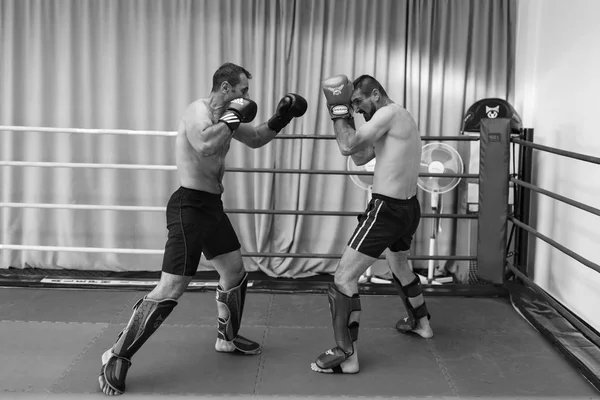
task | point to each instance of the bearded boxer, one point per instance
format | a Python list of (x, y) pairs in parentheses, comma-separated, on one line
[(390, 220), (197, 223)]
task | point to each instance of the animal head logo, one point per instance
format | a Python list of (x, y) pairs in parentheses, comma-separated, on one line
[(336, 91), (492, 112)]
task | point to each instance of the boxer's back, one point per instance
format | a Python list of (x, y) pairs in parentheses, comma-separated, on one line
[(198, 171)]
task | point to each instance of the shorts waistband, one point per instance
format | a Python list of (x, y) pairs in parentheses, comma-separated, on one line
[(199, 192), (393, 199)]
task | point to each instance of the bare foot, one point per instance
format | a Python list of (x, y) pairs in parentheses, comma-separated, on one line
[(348, 366), (422, 327), (105, 386)]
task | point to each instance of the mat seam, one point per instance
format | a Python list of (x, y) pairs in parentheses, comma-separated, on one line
[(442, 367), (261, 361), (92, 342)]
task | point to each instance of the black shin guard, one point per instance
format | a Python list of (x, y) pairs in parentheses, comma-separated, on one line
[(147, 316), (230, 304), (345, 315), (412, 290)]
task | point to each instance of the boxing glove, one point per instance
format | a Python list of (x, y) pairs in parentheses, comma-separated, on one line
[(338, 91), (290, 106), (239, 110)]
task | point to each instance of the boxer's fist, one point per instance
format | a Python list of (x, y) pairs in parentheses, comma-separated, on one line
[(239, 110), (290, 106), (338, 91)]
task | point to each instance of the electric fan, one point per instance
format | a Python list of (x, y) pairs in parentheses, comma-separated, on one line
[(438, 158)]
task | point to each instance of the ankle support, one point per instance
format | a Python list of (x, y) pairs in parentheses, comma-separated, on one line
[(412, 290), (345, 315), (230, 304), (147, 316)]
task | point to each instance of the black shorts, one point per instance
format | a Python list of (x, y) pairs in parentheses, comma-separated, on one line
[(196, 223), (386, 223)]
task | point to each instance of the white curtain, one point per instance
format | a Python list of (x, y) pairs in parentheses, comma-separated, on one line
[(136, 64)]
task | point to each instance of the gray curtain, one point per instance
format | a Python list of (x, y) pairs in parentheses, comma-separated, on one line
[(136, 64)]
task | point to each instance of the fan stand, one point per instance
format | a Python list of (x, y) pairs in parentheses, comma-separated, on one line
[(435, 228)]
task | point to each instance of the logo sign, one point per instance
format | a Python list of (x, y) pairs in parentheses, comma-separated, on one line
[(336, 91), (492, 112), (339, 110), (495, 137)]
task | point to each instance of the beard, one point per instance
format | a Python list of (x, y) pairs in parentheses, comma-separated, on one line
[(369, 114)]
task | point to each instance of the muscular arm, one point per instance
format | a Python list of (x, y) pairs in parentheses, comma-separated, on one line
[(204, 136), (350, 141), (361, 157), (254, 136), (208, 139)]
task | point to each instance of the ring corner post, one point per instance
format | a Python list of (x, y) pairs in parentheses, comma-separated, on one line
[(493, 198), (525, 172)]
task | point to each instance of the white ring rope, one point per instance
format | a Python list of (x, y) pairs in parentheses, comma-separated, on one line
[(85, 165), (125, 132), (83, 207), (80, 249), (128, 132)]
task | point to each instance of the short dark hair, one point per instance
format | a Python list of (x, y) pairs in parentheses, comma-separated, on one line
[(228, 72), (366, 84)]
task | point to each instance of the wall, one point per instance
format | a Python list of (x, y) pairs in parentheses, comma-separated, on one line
[(557, 86)]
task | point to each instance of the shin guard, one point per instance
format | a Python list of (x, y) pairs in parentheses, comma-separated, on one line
[(345, 315), (147, 316), (407, 292), (230, 304)]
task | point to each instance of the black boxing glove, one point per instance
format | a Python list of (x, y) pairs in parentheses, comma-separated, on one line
[(290, 106), (239, 110)]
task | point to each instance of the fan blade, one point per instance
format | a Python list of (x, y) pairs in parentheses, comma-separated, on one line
[(441, 155), (445, 182)]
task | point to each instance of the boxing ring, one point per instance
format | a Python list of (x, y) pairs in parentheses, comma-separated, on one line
[(487, 335)]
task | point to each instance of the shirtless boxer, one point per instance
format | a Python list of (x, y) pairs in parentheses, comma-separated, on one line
[(390, 220), (196, 221)]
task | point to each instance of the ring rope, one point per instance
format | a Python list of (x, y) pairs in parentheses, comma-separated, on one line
[(45, 164), (80, 249), (160, 252), (127, 132), (570, 154), (556, 245), (85, 165), (548, 193), (228, 211), (132, 132)]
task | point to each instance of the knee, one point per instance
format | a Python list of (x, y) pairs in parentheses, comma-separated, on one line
[(401, 258), (231, 278), (169, 290)]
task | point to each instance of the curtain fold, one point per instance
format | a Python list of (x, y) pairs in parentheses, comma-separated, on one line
[(137, 64)]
